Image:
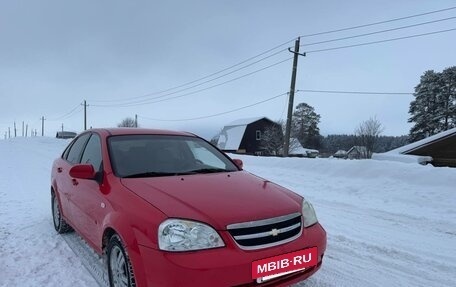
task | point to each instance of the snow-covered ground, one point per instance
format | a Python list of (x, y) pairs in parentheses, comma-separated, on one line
[(31, 252), (388, 223)]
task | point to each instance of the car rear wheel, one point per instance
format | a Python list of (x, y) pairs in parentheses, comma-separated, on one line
[(60, 224), (120, 270)]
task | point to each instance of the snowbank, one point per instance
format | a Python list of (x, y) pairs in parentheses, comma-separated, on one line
[(405, 158)]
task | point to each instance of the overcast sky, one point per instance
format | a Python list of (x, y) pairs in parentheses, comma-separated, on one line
[(55, 54)]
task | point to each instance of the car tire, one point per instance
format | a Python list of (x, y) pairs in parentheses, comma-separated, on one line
[(120, 270), (60, 224)]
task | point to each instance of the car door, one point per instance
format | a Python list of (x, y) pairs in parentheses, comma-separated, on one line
[(87, 200), (65, 184)]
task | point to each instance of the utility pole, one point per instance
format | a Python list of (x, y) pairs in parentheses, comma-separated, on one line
[(136, 121), (14, 129), (42, 126), (26, 130), (85, 115), (22, 128), (9, 132), (286, 145)]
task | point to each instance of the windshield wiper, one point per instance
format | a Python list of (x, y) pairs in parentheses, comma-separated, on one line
[(149, 174), (208, 170)]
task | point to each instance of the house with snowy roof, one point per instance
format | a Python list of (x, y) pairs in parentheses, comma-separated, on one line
[(244, 135), (297, 150), (357, 152), (340, 154), (439, 150)]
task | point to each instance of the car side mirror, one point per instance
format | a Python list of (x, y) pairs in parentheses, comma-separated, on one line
[(238, 163), (83, 171)]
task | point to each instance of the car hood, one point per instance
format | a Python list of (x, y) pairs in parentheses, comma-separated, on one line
[(218, 199)]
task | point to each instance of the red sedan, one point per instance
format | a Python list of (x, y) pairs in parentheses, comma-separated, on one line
[(169, 209)]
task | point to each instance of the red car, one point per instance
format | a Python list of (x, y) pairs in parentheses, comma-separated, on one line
[(169, 209)]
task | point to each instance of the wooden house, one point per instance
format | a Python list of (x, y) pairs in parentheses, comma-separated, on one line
[(244, 135), (440, 147)]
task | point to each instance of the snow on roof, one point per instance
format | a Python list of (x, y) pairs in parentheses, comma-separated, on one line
[(359, 149), (405, 158), (399, 154), (417, 144), (231, 136), (297, 148), (341, 152), (244, 121)]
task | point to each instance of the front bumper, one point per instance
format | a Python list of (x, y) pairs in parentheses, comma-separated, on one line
[(226, 266)]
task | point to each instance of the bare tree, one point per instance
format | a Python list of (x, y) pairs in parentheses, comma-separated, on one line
[(367, 135), (272, 139), (127, 123)]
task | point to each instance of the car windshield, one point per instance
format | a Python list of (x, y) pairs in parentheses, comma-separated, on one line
[(165, 155)]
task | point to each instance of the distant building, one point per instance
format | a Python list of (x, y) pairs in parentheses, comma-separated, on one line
[(357, 152), (297, 150), (439, 149), (244, 135), (340, 154), (65, 135)]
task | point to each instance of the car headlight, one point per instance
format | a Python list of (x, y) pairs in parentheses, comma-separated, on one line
[(308, 212), (186, 235)]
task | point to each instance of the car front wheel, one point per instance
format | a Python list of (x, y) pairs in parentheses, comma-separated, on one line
[(120, 270)]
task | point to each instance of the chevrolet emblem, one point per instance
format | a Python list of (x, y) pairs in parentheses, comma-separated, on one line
[(274, 232)]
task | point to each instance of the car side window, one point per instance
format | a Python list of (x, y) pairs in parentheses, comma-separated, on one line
[(92, 153), (66, 151), (76, 149)]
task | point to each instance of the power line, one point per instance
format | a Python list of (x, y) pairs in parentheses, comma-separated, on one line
[(353, 92), (67, 115), (196, 85), (218, 114), (272, 98), (210, 75), (256, 71), (145, 102), (327, 49), (266, 52), (379, 32), (381, 41), (378, 23)]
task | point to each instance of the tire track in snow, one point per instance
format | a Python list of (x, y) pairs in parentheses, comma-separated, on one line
[(89, 258)]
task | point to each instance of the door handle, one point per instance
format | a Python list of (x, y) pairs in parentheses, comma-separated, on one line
[(75, 182), (59, 169)]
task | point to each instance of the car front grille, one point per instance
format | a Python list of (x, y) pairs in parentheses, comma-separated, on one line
[(266, 232)]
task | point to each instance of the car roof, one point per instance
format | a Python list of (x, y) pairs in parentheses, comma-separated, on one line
[(139, 131)]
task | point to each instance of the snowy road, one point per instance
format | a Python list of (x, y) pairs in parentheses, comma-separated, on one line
[(31, 252), (388, 224)]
